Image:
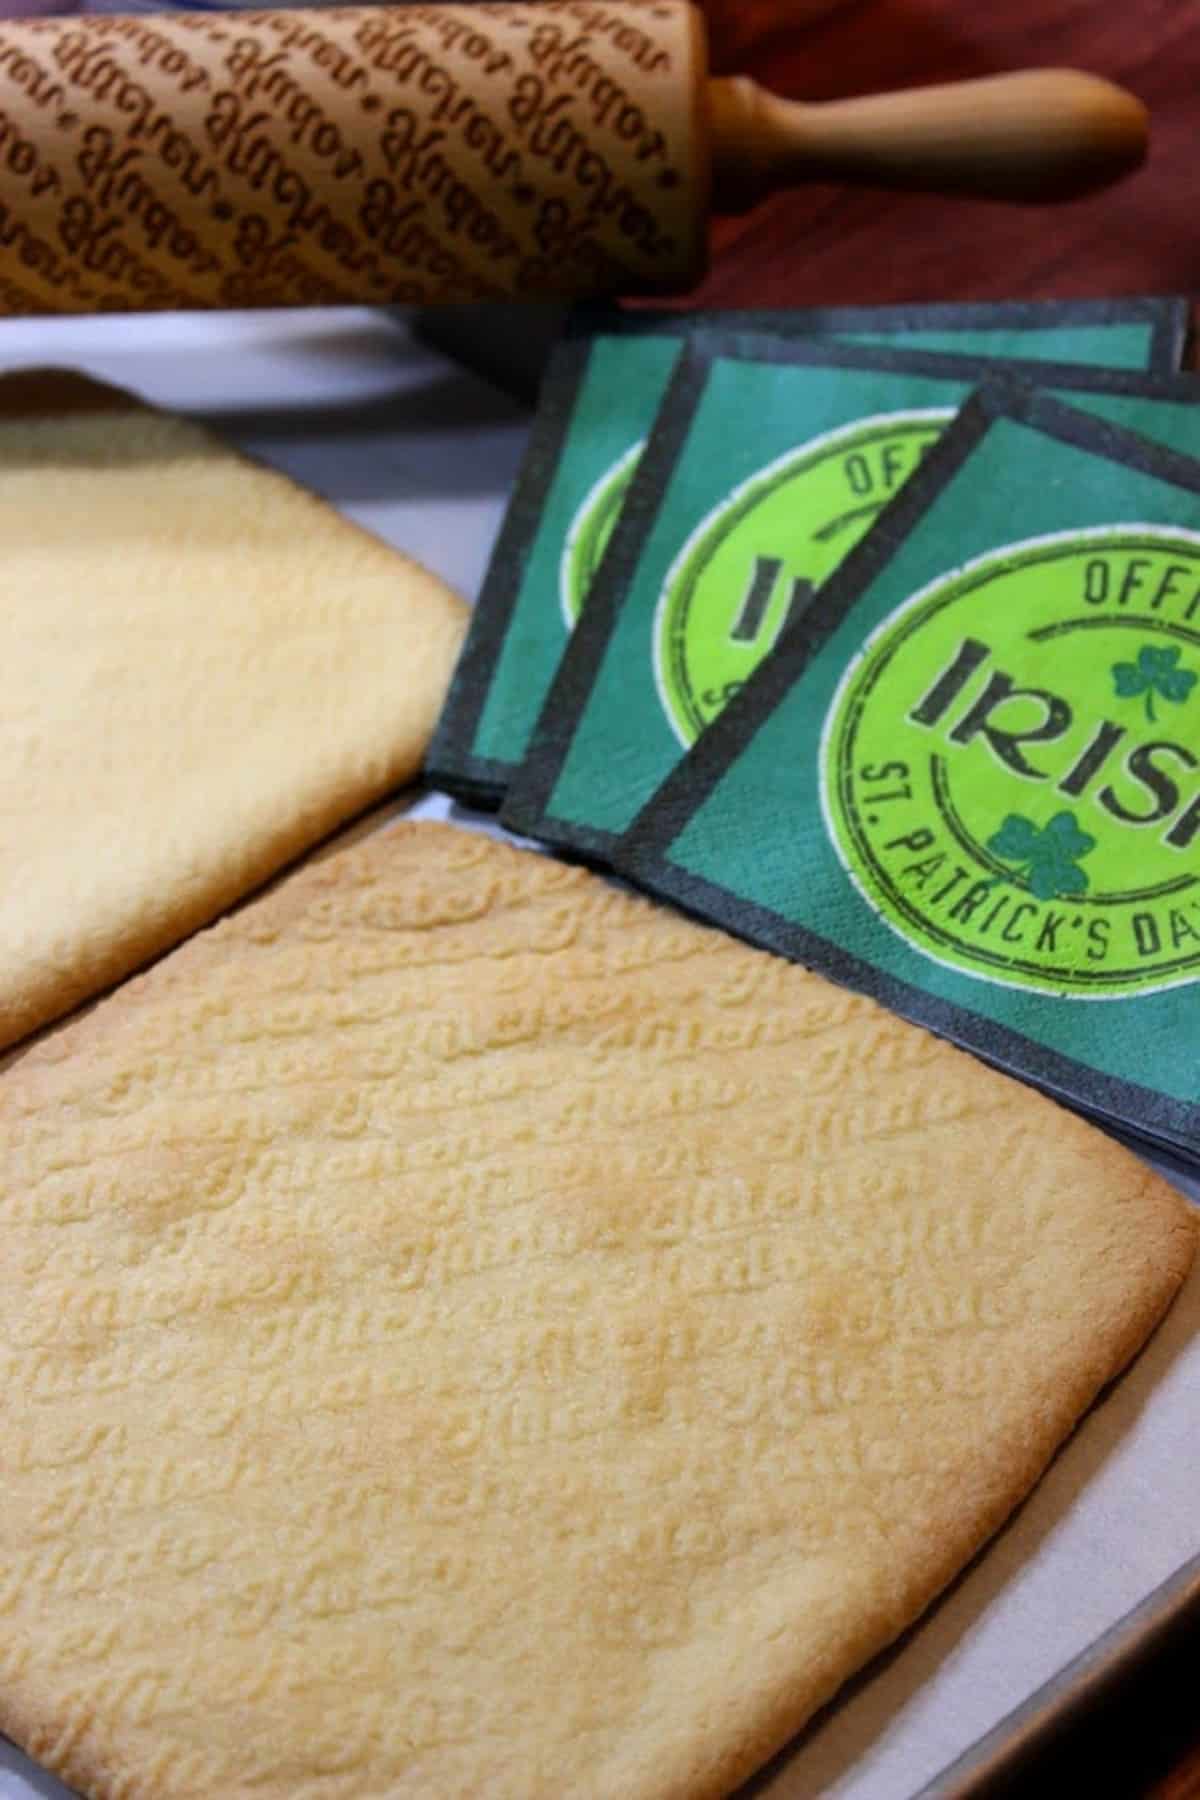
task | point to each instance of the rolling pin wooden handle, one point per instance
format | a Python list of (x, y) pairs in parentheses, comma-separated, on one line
[(1038, 135)]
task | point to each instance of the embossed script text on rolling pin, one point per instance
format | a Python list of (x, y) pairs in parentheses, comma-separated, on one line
[(413, 155)]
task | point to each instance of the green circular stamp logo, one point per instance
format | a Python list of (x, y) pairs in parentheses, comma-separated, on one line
[(1010, 768), (755, 562), (590, 531)]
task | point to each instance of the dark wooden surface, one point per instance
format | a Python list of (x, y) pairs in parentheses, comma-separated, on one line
[(822, 246)]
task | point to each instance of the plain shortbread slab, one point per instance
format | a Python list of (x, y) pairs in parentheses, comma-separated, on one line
[(468, 1332), (206, 670)]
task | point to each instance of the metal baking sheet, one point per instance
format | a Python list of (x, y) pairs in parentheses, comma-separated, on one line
[(1149, 1642), (420, 451)]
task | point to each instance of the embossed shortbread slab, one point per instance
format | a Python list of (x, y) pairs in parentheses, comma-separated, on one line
[(465, 1332), (205, 670)]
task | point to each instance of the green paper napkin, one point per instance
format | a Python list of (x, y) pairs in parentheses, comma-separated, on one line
[(764, 468), (968, 782), (597, 404)]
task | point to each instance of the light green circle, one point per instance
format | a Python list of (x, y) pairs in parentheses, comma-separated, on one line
[(590, 531), (1011, 769), (756, 560)]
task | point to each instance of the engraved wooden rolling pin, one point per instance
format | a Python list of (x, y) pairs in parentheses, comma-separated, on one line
[(424, 154)]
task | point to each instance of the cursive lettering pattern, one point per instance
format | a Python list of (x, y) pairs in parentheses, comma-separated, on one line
[(423, 154), (450, 1282)]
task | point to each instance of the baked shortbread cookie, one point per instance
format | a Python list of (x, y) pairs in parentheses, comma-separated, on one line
[(470, 1333), (205, 670)]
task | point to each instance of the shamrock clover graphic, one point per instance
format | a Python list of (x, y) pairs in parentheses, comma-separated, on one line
[(1046, 858), (1154, 672)]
